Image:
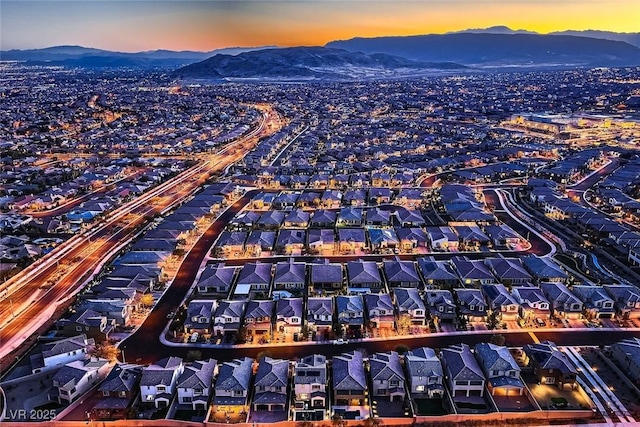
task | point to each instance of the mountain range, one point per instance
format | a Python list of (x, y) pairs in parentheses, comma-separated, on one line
[(496, 47), (500, 50), (308, 63), (78, 56)]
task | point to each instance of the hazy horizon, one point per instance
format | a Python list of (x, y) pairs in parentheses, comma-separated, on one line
[(208, 25)]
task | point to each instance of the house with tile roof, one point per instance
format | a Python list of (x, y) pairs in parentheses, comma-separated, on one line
[(597, 303), (408, 302), (364, 275), (425, 375), (119, 390), (289, 313), (231, 389), (216, 279), (401, 274), (387, 377), (310, 383), (76, 378), (550, 365), (258, 317), (270, 385), (564, 303), (501, 302), (380, 311), (320, 314), (349, 379), (626, 299), (199, 316), (472, 306), (463, 374), (53, 355), (196, 382), (228, 316), (158, 382), (500, 369)]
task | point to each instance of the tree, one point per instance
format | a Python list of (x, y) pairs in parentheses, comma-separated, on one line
[(337, 421), (404, 323), (241, 335), (401, 349), (107, 351), (497, 339), (193, 355), (372, 422), (147, 300)]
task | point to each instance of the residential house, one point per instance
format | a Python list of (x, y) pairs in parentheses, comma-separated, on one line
[(228, 316), (500, 369), (471, 237), (502, 304), (472, 273), (409, 303), (158, 383), (119, 390), (254, 278), (544, 269), (89, 322), (627, 355), (409, 218), (323, 219), (326, 277), (564, 304), (195, 384), (258, 317), (349, 379), (320, 314), (289, 312), (351, 240), (533, 303), (53, 355), (350, 217), (378, 217), (502, 235), (199, 314), (364, 275), (379, 311), (231, 389), (270, 387), (259, 242), (597, 303), (383, 239), (310, 388), (350, 312), (463, 374), (401, 274), (550, 365), (76, 378), (216, 279), (290, 276), (626, 300), (424, 373), (441, 306), (230, 244), (411, 238), (437, 274), (442, 238), (471, 304), (387, 377), (291, 241), (321, 241), (297, 218), (509, 271)]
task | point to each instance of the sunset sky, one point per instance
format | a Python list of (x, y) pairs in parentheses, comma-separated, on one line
[(126, 25)]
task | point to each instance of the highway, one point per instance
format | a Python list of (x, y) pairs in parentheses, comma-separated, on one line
[(28, 307)]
